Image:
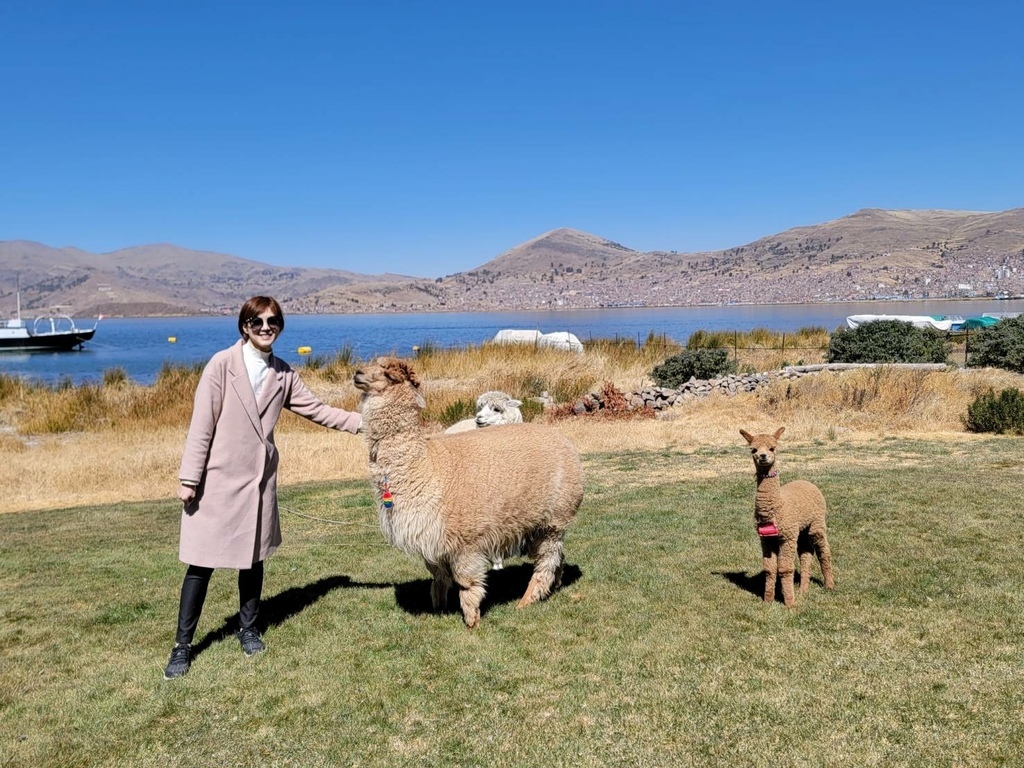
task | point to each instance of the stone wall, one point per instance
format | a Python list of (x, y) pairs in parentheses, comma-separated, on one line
[(660, 398)]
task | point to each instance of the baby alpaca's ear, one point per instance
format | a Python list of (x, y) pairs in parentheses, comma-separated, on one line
[(746, 435), (779, 431)]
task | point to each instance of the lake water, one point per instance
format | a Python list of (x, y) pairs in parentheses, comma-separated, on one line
[(141, 346)]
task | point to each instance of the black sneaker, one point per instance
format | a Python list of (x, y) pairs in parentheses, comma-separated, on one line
[(251, 641), (181, 660)]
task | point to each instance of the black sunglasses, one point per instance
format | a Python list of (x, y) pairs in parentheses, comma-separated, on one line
[(256, 323)]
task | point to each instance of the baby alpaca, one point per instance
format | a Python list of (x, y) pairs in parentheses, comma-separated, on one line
[(790, 519)]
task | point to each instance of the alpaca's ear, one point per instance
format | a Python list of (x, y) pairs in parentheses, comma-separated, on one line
[(779, 431), (393, 369), (398, 371), (421, 401), (411, 377), (747, 436)]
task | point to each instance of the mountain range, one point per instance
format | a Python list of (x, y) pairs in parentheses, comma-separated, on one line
[(870, 254)]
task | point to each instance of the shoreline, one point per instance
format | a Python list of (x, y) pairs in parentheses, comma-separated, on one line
[(565, 309)]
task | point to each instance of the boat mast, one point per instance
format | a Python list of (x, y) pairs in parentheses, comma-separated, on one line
[(18, 291)]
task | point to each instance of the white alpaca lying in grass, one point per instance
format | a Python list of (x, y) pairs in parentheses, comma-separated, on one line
[(493, 408)]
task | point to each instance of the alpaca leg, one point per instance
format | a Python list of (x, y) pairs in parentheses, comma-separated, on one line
[(824, 552), (806, 561), (787, 555), (440, 585), (805, 551), (470, 573), (769, 564), (547, 569)]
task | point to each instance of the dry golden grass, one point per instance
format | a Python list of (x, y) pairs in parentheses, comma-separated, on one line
[(100, 444)]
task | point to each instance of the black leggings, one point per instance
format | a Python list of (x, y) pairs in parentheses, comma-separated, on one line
[(193, 595)]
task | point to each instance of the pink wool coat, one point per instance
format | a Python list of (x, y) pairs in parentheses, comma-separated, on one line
[(230, 454)]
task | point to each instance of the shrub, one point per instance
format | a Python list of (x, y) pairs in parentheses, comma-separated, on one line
[(887, 341), (1002, 414), (999, 346), (692, 363)]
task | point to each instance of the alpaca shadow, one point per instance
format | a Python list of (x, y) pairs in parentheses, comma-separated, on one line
[(755, 584), (504, 586), (276, 610)]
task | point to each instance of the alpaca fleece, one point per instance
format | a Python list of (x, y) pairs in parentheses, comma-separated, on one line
[(460, 500)]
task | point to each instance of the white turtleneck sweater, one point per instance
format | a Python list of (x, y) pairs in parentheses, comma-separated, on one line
[(256, 365)]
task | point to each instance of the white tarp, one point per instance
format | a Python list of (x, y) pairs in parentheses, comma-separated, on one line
[(561, 340), (510, 336), (939, 323), (557, 340)]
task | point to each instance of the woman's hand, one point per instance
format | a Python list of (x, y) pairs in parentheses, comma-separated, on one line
[(186, 493)]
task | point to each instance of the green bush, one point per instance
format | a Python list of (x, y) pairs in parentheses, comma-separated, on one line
[(888, 341), (999, 346), (1002, 414), (692, 363)]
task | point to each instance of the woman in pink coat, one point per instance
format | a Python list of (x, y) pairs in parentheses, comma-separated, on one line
[(229, 471)]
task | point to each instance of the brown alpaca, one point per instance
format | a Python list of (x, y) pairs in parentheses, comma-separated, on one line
[(790, 519)]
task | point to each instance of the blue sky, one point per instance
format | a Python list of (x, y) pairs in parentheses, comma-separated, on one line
[(426, 138)]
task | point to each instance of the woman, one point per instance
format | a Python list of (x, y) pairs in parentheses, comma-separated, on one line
[(229, 471)]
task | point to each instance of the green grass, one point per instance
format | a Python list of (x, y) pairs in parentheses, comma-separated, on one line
[(657, 652)]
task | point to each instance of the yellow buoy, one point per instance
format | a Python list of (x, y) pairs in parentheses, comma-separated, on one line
[(305, 350), (172, 339)]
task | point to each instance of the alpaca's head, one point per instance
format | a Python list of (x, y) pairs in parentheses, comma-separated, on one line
[(495, 407), (388, 380), (762, 447)]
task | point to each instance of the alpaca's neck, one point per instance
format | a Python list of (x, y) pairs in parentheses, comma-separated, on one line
[(407, 491), (391, 431), (401, 449), (768, 499)]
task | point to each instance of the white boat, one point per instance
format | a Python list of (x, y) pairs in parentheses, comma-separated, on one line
[(938, 322), (56, 332)]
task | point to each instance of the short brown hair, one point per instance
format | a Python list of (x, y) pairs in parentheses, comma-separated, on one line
[(254, 307)]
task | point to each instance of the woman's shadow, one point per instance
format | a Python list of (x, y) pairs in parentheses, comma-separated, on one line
[(276, 610)]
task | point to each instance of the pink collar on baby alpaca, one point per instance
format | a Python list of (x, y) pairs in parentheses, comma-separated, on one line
[(773, 473)]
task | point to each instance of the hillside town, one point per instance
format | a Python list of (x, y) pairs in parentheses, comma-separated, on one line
[(965, 276)]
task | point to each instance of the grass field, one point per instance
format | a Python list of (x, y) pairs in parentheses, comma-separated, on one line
[(657, 652)]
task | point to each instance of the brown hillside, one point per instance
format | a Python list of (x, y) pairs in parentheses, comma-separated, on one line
[(869, 254)]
